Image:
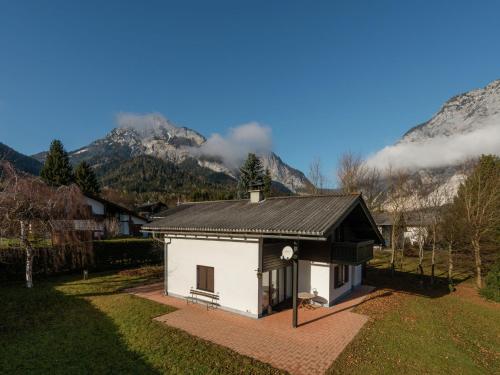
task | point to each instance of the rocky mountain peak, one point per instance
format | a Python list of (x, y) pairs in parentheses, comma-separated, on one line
[(461, 114)]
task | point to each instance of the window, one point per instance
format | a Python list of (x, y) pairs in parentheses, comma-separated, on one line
[(205, 278), (340, 275)]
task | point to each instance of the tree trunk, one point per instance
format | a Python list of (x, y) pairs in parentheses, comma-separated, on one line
[(477, 257), (393, 248), (29, 267), (433, 261), (29, 256), (402, 254), (450, 266), (421, 260)]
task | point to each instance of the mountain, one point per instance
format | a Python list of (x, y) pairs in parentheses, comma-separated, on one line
[(466, 126), (462, 114), (20, 161), (161, 139)]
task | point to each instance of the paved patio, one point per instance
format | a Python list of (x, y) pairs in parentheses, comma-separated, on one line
[(311, 348)]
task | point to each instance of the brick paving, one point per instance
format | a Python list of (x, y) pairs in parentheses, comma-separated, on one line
[(311, 348)]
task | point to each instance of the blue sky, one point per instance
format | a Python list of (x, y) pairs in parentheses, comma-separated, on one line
[(325, 76)]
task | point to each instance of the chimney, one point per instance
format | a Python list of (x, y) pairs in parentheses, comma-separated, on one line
[(256, 192)]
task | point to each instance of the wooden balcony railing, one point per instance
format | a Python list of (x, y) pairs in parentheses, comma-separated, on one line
[(352, 252)]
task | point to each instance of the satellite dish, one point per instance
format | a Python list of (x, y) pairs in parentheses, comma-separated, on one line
[(287, 253)]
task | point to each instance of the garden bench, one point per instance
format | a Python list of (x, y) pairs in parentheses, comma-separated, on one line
[(198, 296)]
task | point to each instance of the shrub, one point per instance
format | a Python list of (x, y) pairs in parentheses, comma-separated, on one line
[(491, 290), (126, 252)]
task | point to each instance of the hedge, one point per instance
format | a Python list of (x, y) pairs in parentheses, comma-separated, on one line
[(126, 252), (96, 255)]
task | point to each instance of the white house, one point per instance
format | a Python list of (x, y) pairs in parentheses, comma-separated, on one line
[(129, 223), (233, 249)]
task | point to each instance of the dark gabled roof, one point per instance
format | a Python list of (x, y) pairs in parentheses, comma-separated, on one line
[(297, 215), (115, 206)]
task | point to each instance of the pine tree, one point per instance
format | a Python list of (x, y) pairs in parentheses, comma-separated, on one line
[(57, 169), (86, 179), (251, 173), (267, 183)]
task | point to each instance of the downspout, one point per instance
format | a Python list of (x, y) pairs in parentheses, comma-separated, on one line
[(295, 284), (167, 242)]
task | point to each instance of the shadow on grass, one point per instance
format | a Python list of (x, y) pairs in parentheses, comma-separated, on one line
[(411, 282), (383, 295), (43, 330)]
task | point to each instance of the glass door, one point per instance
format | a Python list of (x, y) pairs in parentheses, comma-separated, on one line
[(274, 288), (265, 290)]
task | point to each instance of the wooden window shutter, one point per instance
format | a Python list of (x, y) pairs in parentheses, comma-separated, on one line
[(210, 279), (205, 278)]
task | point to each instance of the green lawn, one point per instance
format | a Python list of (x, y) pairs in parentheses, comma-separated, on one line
[(67, 325), (423, 330), (85, 327)]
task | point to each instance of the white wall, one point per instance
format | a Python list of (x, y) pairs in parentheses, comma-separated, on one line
[(320, 281), (235, 270), (358, 275), (97, 207), (318, 278)]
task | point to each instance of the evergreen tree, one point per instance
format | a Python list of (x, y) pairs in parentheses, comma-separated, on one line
[(57, 169), (267, 183), (251, 173), (86, 179)]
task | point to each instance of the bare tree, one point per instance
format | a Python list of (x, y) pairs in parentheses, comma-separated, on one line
[(350, 171), (30, 210), (316, 176), (354, 175), (397, 203), (478, 204)]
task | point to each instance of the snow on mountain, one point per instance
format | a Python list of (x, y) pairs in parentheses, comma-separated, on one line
[(462, 114), (156, 136), (465, 127)]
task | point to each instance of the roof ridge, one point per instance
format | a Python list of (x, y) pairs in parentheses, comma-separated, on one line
[(318, 195), (275, 198)]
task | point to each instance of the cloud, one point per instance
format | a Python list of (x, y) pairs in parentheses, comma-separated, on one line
[(234, 147), (439, 151), (142, 122)]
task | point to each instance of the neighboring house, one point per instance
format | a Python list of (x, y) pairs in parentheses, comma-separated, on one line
[(414, 223), (234, 249), (149, 210), (106, 213)]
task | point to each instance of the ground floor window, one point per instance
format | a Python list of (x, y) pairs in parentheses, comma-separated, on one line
[(205, 278)]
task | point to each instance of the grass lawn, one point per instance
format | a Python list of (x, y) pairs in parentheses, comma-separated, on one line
[(423, 330), (67, 325)]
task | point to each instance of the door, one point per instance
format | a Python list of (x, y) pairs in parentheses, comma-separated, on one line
[(265, 291)]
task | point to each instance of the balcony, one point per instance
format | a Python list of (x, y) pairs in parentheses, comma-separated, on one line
[(352, 252)]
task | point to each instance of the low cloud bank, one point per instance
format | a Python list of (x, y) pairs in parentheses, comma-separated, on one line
[(439, 151), (233, 148)]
